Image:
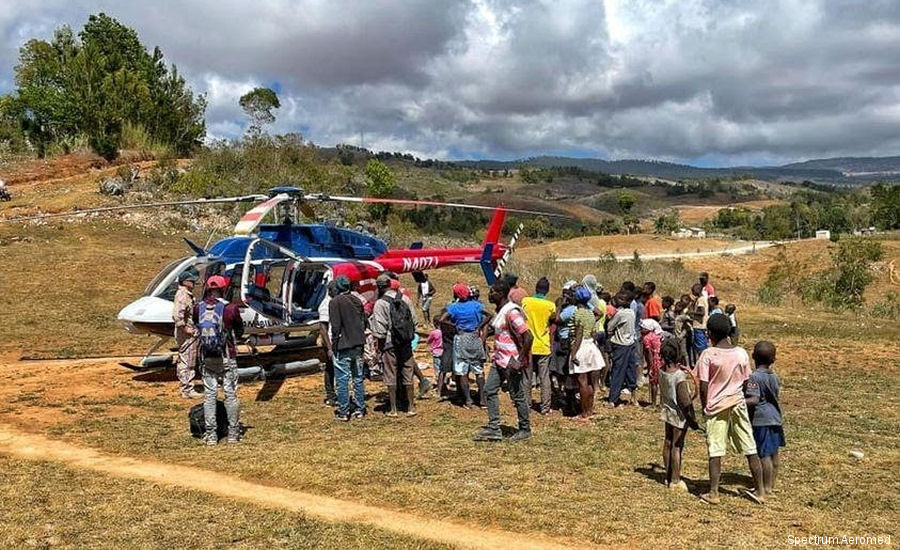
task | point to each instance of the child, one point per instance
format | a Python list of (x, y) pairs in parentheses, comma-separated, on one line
[(652, 342), (435, 341), (761, 392), (714, 306), (677, 412), (722, 369), (735, 330)]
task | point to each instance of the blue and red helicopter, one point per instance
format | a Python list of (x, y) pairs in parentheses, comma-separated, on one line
[(279, 272)]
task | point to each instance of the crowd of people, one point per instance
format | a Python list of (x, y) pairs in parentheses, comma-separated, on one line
[(584, 346)]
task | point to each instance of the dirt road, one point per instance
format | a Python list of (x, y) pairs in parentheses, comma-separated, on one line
[(25, 446)]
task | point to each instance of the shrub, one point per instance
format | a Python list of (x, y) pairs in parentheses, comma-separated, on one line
[(889, 307), (842, 286)]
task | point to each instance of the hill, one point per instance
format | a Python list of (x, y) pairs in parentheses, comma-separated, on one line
[(839, 171), (854, 166)]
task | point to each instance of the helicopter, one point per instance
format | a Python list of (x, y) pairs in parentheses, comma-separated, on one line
[(279, 272)]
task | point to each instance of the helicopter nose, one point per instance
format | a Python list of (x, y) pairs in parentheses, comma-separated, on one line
[(147, 309)]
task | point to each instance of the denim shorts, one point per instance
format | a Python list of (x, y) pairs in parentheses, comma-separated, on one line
[(768, 439)]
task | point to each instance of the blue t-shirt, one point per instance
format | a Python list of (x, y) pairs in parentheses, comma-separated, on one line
[(466, 315), (764, 383)]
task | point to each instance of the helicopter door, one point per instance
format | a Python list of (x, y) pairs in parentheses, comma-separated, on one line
[(309, 285), (265, 279), (282, 286)]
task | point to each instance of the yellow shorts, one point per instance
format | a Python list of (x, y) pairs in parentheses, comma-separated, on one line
[(730, 426)]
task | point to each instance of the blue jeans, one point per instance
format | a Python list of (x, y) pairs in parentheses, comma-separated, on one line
[(622, 374), (348, 364)]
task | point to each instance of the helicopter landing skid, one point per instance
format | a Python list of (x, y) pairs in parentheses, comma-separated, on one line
[(151, 361)]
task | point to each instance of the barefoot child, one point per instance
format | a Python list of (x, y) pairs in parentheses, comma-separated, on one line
[(722, 369), (435, 342), (652, 342), (676, 412), (765, 411)]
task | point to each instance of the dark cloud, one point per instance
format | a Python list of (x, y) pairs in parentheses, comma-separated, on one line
[(680, 79)]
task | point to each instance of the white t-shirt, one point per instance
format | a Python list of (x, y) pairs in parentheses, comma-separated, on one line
[(323, 309)]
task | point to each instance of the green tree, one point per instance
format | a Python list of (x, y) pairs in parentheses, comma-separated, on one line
[(666, 223), (379, 183), (853, 261), (626, 202), (94, 84), (258, 104), (886, 206)]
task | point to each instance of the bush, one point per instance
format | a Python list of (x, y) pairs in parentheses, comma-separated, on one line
[(889, 307), (780, 280), (842, 286), (135, 137)]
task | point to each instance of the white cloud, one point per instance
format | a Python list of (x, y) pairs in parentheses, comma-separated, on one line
[(672, 79)]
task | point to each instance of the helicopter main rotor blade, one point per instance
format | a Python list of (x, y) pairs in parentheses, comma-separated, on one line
[(245, 198), (410, 202)]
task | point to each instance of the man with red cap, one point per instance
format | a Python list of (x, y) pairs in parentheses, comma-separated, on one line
[(218, 326)]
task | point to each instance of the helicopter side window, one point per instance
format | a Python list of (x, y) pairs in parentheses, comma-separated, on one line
[(309, 289), (266, 291)]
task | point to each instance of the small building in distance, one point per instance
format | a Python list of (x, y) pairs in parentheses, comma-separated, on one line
[(690, 233), (823, 234)]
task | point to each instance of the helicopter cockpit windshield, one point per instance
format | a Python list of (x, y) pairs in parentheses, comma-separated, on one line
[(165, 284), (282, 286)]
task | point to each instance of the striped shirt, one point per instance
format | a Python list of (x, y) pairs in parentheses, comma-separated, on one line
[(508, 320)]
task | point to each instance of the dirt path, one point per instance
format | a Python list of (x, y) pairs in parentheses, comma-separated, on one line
[(35, 447)]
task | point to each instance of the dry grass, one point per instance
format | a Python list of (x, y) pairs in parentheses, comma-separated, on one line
[(96, 511), (64, 284), (696, 215), (588, 483), (592, 483)]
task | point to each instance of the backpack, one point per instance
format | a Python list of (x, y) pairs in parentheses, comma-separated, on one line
[(211, 328), (197, 420), (403, 326)]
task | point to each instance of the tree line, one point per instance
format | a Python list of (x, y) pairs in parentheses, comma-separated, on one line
[(100, 86), (808, 212)]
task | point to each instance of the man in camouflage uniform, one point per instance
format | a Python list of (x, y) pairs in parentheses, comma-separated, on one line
[(186, 333)]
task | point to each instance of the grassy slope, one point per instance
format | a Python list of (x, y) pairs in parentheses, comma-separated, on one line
[(65, 283)]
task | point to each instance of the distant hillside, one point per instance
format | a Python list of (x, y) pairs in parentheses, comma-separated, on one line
[(841, 171), (853, 166)]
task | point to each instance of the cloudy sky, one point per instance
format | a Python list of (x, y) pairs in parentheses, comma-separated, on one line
[(708, 82)]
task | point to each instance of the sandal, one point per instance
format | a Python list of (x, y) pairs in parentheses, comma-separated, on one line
[(710, 498), (754, 497)]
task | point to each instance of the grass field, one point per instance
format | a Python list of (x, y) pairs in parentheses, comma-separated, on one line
[(592, 485)]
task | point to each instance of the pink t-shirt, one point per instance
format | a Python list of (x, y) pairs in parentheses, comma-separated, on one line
[(725, 370), (510, 318), (708, 291), (436, 342)]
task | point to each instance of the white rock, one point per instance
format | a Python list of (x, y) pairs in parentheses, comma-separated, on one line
[(855, 453)]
